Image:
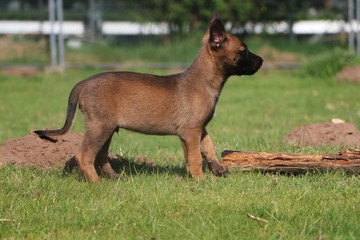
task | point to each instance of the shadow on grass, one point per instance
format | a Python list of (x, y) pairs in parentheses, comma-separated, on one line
[(131, 167)]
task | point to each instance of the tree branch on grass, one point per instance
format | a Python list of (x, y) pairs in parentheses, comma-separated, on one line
[(347, 160)]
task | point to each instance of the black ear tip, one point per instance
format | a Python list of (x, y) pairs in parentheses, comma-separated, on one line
[(215, 15), (216, 23)]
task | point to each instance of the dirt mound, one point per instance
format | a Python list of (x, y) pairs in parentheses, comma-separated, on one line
[(349, 74), (279, 59), (32, 151), (20, 70), (333, 134), (271, 54)]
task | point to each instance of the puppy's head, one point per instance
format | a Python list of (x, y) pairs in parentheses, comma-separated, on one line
[(229, 51)]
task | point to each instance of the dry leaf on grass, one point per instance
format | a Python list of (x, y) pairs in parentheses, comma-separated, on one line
[(259, 219)]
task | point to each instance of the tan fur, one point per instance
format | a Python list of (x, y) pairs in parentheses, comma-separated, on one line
[(180, 104)]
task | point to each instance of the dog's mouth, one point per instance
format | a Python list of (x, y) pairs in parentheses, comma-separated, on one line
[(254, 67), (258, 63)]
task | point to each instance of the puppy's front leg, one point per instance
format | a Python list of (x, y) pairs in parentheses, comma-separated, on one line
[(208, 152), (191, 145)]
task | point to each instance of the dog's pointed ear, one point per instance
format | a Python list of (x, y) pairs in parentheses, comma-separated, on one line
[(217, 35)]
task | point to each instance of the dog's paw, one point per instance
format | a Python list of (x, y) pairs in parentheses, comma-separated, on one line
[(218, 170)]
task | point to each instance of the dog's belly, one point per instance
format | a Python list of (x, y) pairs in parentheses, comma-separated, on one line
[(151, 129), (149, 121)]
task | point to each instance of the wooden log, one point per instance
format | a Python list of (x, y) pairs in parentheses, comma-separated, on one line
[(347, 160)]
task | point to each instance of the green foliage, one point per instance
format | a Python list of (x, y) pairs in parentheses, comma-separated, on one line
[(188, 15), (328, 64), (183, 15)]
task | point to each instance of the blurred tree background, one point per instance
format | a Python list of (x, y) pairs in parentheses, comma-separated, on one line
[(181, 15), (185, 22)]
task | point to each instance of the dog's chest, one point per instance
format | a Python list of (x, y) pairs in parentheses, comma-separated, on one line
[(203, 108)]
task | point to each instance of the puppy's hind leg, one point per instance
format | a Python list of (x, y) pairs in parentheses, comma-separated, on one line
[(102, 161), (94, 140)]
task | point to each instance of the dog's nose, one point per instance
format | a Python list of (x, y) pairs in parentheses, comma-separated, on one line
[(259, 62)]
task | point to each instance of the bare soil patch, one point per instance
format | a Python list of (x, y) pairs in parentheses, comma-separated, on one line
[(32, 151), (332, 134), (21, 70), (279, 59), (349, 74)]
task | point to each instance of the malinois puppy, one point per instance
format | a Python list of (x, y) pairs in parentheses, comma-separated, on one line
[(181, 104)]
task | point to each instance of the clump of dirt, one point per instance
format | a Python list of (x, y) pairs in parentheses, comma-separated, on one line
[(349, 74), (12, 47), (21, 70), (33, 151), (274, 55), (332, 134), (141, 160)]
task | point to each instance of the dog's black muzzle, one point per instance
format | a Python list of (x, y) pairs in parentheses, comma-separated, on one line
[(251, 64)]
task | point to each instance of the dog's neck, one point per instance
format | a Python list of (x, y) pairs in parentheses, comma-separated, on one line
[(205, 72)]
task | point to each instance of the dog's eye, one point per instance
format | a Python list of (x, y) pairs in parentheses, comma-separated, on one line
[(244, 52)]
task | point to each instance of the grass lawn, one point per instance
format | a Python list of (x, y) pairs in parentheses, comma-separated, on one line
[(253, 114)]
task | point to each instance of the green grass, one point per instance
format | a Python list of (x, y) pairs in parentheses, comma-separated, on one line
[(138, 50), (126, 50), (253, 114), (163, 206), (146, 49)]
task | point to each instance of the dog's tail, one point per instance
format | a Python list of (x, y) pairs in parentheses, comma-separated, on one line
[(71, 109)]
